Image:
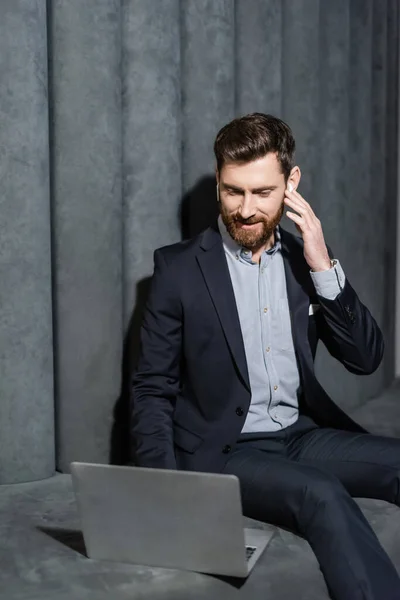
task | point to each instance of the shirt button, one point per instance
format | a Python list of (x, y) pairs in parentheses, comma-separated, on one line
[(239, 411), (226, 449), (268, 349), (275, 387), (237, 257), (265, 309)]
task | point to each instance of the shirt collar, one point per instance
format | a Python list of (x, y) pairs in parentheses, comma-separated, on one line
[(236, 250)]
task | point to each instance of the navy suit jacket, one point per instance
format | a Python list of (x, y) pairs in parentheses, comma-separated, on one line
[(191, 390)]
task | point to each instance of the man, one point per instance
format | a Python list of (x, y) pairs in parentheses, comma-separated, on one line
[(225, 381)]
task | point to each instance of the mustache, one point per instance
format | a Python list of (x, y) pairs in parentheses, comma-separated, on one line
[(249, 221)]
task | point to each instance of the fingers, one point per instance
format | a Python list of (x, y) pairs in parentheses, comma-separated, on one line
[(303, 214), (296, 218), (298, 221), (295, 201)]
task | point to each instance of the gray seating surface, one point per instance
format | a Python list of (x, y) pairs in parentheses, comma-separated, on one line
[(42, 551)]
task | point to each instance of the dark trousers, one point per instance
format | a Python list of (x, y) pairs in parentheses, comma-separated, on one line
[(303, 478)]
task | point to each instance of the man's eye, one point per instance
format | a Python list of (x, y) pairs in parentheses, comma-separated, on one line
[(232, 193), (265, 194)]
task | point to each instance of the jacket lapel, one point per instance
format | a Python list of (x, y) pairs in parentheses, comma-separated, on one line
[(298, 292), (216, 275)]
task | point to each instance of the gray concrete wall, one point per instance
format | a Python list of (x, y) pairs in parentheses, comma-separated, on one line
[(26, 346), (137, 92), (397, 331)]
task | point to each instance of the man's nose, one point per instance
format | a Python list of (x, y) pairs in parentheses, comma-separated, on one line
[(248, 206)]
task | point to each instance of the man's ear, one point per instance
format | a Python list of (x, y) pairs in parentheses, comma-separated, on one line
[(294, 178)]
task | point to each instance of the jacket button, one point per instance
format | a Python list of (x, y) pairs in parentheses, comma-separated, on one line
[(239, 411), (226, 449)]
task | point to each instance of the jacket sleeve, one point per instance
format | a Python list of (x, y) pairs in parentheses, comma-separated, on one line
[(156, 379), (350, 332)]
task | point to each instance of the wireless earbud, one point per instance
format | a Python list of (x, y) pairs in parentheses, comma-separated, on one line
[(290, 187), (217, 192)]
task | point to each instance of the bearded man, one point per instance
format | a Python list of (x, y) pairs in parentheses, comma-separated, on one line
[(225, 382)]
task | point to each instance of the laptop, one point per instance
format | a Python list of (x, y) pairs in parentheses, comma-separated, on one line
[(166, 518)]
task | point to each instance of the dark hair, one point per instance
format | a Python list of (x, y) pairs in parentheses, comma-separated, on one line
[(253, 136)]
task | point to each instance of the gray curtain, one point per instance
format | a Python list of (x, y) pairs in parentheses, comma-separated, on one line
[(108, 112)]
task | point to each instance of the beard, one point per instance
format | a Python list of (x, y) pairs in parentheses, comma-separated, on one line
[(252, 240)]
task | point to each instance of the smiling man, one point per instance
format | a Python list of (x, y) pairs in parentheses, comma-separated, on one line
[(225, 381)]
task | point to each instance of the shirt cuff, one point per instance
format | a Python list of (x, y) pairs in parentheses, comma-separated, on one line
[(329, 284)]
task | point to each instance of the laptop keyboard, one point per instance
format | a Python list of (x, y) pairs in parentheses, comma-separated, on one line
[(249, 552)]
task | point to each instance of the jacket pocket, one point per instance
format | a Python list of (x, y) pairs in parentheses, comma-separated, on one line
[(185, 439)]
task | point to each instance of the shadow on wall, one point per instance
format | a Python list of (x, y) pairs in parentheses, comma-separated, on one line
[(199, 207), (120, 450), (198, 210)]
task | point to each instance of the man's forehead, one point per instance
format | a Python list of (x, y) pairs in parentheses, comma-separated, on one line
[(263, 171)]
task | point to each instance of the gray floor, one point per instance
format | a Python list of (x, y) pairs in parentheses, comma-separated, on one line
[(42, 552)]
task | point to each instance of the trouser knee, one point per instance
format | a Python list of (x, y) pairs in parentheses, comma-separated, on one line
[(322, 498)]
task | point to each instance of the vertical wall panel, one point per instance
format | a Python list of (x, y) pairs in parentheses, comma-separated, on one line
[(258, 56), (300, 87), (377, 227), (331, 178), (392, 215), (351, 210), (360, 218), (333, 120), (151, 136), (26, 366), (87, 224), (208, 99)]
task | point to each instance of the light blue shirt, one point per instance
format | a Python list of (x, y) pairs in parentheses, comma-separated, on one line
[(262, 304)]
